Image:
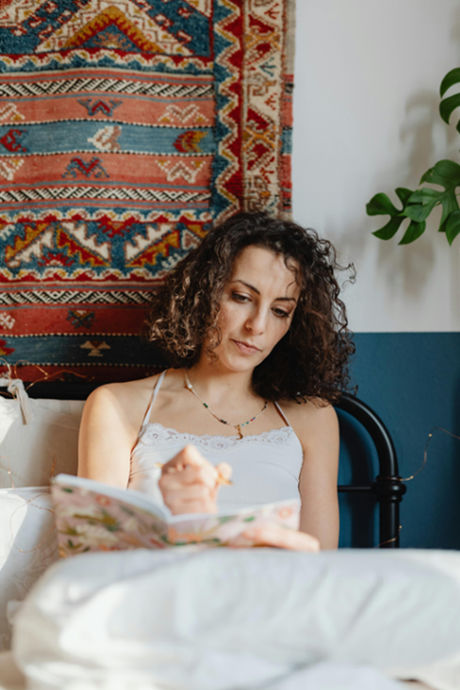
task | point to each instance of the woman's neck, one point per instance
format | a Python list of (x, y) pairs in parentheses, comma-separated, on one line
[(216, 385)]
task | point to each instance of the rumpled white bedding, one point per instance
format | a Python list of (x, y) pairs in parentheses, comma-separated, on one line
[(321, 676), (222, 619)]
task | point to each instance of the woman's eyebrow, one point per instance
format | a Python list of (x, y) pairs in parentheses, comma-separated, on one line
[(254, 289)]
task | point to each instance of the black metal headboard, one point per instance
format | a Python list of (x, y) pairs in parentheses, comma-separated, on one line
[(387, 487)]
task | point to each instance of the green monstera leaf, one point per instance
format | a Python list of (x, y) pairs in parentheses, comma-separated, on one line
[(448, 105), (417, 205), (380, 204)]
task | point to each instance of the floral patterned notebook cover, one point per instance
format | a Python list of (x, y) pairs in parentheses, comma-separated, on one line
[(92, 516)]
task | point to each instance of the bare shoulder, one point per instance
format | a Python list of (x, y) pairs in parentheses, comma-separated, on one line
[(126, 400), (314, 413), (315, 423), (122, 389)]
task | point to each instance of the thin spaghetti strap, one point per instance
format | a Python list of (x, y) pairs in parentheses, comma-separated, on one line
[(156, 388), (283, 416)]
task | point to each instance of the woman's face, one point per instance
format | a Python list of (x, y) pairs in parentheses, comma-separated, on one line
[(256, 308)]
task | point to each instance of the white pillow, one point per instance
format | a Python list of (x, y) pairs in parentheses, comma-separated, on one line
[(27, 545), (30, 454)]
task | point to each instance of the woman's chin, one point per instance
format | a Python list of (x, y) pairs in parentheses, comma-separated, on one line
[(238, 365)]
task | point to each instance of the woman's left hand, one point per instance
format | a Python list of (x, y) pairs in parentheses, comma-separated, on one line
[(271, 534)]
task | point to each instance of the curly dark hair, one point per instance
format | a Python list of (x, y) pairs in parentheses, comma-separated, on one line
[(311, 360)]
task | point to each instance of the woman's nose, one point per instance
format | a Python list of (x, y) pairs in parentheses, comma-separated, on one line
[(256, 321)]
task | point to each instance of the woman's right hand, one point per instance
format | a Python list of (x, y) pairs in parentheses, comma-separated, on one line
[(271, 534), (189, 483)]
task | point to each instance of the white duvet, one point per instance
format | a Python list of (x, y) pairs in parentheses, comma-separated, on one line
[(223, 619)]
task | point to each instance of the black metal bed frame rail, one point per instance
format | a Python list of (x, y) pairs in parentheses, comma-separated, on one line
[(388, 487)]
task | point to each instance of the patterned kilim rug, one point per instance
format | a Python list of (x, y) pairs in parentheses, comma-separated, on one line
[(126, 127)]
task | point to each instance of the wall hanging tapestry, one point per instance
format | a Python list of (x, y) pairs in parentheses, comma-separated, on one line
[(126, 127)]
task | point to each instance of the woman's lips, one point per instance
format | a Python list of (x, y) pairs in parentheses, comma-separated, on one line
[(246, 348)]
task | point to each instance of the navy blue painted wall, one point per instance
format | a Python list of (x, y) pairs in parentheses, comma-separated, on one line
[(412, 381)]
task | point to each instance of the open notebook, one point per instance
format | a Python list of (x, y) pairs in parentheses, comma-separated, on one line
[(92, 516)]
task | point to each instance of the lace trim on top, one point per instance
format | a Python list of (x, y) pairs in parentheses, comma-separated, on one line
[(153, 431)]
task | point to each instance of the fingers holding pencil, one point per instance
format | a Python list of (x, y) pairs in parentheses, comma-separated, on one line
[(189, 483), (189, 456)]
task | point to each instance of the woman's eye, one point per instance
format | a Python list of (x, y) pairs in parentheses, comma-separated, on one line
[(239, 298), (281, 313)]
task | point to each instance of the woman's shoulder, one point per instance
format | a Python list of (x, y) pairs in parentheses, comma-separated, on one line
[(123, 388), (312, 414), (316, 425), (122, 396)]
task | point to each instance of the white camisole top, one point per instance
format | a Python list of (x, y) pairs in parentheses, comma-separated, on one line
[(265, 467)]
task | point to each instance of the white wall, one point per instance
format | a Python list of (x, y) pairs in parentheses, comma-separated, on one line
[(367, 78)]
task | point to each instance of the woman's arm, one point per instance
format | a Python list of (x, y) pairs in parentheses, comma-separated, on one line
[(318, 432), (107, 435), (319, 436)]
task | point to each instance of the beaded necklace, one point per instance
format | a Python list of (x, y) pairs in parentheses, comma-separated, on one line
[(188, 385)]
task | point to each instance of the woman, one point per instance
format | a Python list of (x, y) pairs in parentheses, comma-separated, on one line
[(255, 334)]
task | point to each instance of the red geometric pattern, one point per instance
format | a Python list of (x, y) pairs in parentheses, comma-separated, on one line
[(126, 126)]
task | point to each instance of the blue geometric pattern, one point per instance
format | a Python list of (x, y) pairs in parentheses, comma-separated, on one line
[(69, 137), (24, 39)]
